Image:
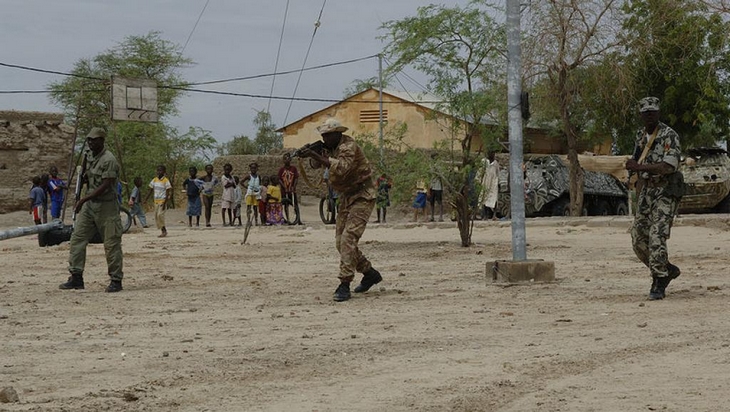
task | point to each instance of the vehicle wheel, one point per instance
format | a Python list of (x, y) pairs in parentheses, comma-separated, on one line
[(622, 209), (723, 206), (602, 208), (561, 207)]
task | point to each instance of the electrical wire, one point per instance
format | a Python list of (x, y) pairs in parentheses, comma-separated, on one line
[(194, 27), (306, 56), (278, 53), (33, 69), (258, 76), (46, 91)]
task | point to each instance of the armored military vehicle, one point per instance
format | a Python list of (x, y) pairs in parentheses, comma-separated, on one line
[(547, 193), (706, 173)]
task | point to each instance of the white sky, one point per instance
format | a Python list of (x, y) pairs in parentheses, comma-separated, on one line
[(234, 38)]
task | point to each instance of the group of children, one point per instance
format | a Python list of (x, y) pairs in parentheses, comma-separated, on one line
[(263, 198), (44, 187)]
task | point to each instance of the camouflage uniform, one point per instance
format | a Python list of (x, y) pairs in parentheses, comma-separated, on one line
[(351, 176), (99, 214), (654, 209)]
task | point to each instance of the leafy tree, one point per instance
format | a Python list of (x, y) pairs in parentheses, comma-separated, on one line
[(461, 50), (679, 51), (267, 138), (85, 97), (239, 145)]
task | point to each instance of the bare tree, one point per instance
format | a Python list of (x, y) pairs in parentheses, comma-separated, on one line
[(565, 38)]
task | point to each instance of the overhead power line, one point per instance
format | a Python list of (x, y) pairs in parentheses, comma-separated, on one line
[(256, 76), (194, 27), (33, 69), (306, 56), (278, 53)]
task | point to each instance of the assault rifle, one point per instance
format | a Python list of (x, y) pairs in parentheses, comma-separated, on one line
[(317, 147), (80, 179)]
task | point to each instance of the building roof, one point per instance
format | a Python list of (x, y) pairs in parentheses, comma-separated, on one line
[(423, 99)]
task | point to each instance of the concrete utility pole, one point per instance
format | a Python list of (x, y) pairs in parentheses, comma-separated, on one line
[(380, 100), (519, 269), (514, 89)]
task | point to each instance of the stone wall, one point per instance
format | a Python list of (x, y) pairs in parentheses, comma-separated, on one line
[(30, 142)]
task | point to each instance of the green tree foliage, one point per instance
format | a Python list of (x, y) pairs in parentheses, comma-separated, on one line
[(85, 99), (461, 50), (267, 138), (239, 145), (679, 51)]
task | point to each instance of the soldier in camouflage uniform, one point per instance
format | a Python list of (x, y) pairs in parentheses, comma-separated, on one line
[(98, 211), (351, 176), (657, 202)]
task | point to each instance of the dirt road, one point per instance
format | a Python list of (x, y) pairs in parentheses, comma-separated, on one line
[(206, 324)]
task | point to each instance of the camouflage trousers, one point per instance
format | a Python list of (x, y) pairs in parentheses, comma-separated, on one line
[(652, 226), (352, 217), (102, 217)]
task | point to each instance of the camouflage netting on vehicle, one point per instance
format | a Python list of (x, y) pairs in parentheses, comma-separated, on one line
[(707, 176), (547, 189)]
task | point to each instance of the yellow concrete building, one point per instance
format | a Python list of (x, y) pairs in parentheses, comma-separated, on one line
[(425, 124), (360, 113)]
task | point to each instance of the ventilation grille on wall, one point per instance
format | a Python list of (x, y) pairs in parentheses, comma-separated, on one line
[(372, 116)]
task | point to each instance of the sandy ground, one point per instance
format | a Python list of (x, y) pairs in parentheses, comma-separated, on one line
[(208, 324)]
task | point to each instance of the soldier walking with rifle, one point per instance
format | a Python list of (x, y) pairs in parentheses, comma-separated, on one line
[(97, 212), (660, 186), (351, 176)]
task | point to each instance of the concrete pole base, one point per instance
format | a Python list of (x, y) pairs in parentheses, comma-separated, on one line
[(531, 270)]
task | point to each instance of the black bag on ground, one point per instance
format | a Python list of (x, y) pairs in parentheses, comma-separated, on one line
[(57, 236)]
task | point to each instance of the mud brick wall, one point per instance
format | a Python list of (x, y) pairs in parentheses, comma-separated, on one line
[(30, 143)]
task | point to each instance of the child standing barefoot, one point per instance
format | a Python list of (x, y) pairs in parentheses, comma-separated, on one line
[(274, 209), (382, 200), (209, 183), (135, 203), (419, 203), (239, 199), (160, 187), (229, 194), (253, 192), (192, 186)]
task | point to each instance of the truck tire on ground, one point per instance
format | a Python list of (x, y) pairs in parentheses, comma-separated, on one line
[(622, 209)]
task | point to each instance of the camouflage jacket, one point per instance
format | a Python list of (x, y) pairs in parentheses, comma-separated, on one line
[(350, 172), (665, 148)]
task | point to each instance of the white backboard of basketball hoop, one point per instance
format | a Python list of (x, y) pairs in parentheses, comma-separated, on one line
[(134, 99)]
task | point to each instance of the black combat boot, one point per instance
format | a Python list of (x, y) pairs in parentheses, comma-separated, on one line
[(370, 278), (658, 286), (674, 272), (74, 282), (114, 286), (342, 293)]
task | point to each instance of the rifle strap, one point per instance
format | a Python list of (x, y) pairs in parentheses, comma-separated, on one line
[(303, 173), (648, 145)]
